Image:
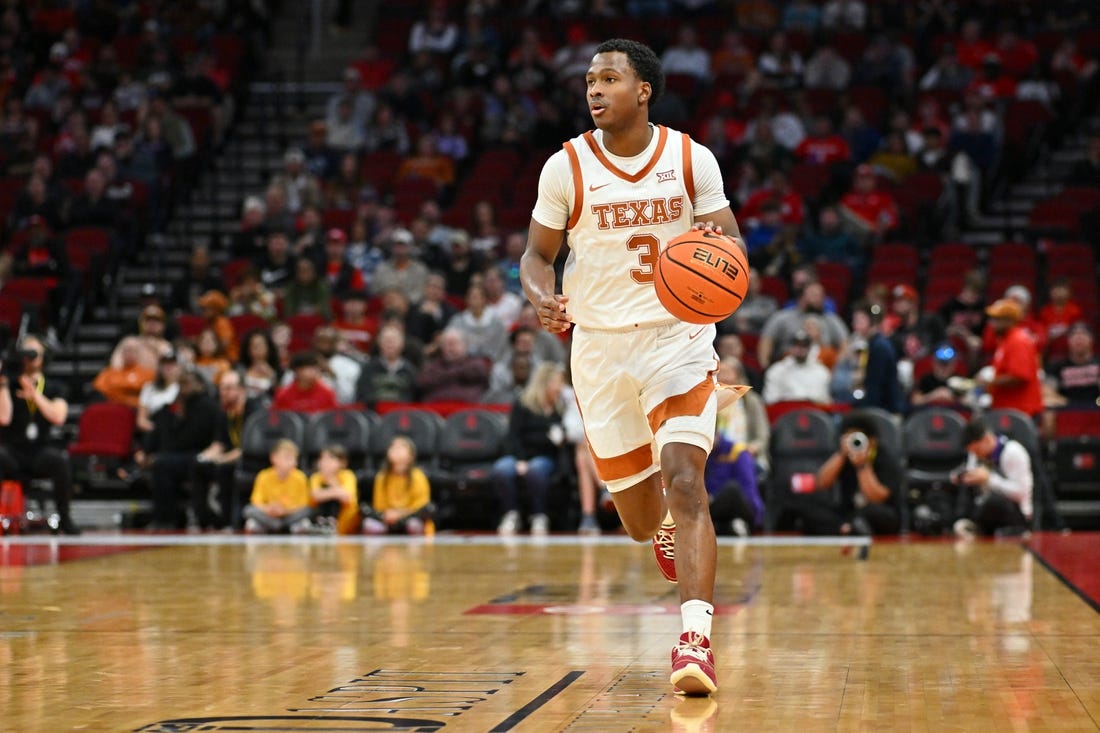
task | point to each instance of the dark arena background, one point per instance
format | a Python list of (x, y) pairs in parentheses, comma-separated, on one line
[(229, 227)]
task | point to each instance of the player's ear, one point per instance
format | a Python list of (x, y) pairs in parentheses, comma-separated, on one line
[(646, 90)]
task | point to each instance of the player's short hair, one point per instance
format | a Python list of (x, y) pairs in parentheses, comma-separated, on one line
[(643, 60)]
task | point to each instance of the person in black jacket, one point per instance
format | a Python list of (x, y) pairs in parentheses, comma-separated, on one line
[(30, 406), (180, 432), (535, 436)]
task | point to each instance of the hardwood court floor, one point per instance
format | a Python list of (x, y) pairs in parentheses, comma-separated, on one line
[(470, 634)]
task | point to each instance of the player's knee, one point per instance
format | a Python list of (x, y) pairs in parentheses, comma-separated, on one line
[(683, 489)]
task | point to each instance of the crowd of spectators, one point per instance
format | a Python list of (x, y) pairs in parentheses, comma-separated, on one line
[(379, 264)]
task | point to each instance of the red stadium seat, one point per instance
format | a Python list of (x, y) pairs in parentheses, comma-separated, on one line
[(105, 429)]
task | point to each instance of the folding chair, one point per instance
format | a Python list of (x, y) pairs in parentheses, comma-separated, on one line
[(801, 440), (472, 439)]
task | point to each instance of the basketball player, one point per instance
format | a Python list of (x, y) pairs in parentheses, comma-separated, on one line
[(643, 379)]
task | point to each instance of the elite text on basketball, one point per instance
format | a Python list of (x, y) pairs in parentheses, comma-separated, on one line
[(729, 269)]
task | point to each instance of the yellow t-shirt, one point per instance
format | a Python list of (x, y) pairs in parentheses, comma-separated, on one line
[(401, 492), (348, 520), (292, 493)]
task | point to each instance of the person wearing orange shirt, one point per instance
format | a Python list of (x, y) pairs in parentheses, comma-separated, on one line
[(123, 383), (1013, 378), (214, 304)]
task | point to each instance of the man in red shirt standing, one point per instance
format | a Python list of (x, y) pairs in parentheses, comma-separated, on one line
[(306, 393), (1014, 381)]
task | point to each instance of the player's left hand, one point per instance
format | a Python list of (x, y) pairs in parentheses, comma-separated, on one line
[(552, 314), (708, 226)]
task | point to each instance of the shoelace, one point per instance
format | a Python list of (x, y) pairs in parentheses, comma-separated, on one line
[(693, 647), (666, 541)]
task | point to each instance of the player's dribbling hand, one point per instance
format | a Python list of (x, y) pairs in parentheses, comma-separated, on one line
[(552, 313), (709, 226)]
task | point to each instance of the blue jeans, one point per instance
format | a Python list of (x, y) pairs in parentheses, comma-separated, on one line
[(537, 481)]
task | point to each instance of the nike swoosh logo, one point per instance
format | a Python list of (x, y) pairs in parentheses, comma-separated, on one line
[(692, 336), (597, 188)]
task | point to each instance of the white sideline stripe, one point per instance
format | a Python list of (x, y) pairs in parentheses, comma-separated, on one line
[(162, 540)]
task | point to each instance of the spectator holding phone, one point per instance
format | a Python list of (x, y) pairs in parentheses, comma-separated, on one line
[(998, 471)]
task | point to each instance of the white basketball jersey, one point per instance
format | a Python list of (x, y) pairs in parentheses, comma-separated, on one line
[(619, 224)]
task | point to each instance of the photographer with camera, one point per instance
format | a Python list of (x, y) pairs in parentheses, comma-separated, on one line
[(998, 471), (868, 476), (29, 406)]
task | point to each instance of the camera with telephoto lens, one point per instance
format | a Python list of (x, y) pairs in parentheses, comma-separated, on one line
[(11, 360), (857, 442)]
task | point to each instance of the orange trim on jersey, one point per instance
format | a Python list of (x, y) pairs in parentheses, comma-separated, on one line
[(623, 466), (691, 402), (578, 185), (662, 136), (689, 175)]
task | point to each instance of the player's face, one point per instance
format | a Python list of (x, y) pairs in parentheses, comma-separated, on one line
[(615, 93)]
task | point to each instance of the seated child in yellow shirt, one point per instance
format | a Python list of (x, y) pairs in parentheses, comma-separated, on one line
[(280, 495), (334, 492), (402, 494)]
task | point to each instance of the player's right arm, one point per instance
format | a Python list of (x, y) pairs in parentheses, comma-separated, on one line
[(536, 272), (544, 241)]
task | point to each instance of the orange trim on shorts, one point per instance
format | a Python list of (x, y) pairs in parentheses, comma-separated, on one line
[(623, 466), (662, 136), (689, 176), (691, 402), (578, 185)]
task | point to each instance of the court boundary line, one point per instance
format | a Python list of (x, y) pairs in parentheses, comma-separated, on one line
[(537, 702), (184, 540), (1077, 591)]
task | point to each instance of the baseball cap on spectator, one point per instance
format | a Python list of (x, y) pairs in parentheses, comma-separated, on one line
[(944, 353), (801, 338), (1006, 309), (294, 155), (401, 236), (254, 203), (169, 355), (336, 235), (1079, 327), (904, 291), (1019, 293), (59, 51)]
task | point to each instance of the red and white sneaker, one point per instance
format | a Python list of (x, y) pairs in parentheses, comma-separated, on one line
[(693, 666), (664, 549)]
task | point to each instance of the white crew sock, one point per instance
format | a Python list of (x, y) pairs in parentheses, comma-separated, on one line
[(696, 616)]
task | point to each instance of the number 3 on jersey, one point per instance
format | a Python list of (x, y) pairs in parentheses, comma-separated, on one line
[(649, 249)]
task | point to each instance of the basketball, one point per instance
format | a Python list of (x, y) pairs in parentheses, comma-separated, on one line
[(701, 277)]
